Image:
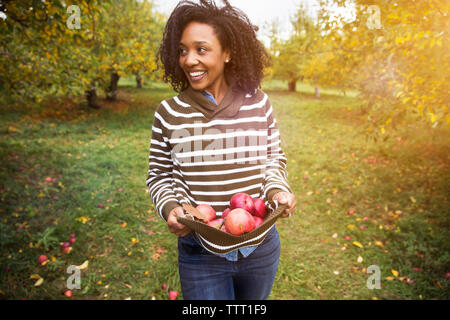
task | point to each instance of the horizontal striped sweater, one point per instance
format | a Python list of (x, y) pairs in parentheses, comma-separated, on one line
[(201, 152)]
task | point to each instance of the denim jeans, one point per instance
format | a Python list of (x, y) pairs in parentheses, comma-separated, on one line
[(206, 276)]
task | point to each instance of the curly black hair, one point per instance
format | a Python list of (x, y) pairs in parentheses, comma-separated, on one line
[(235, 33)]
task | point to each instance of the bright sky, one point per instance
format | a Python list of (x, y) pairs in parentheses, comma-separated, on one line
[(259, 11)]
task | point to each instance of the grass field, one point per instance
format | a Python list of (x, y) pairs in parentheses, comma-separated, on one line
[(67, 169)]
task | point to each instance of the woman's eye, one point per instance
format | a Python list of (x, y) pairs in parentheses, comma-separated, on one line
[(201, 50), (182, 51)]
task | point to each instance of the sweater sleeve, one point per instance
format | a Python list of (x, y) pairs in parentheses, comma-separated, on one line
[(275, 173), (160, 179)]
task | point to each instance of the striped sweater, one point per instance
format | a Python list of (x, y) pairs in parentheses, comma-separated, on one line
[(201, 152)]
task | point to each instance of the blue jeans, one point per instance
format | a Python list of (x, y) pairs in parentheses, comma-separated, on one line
[(206, 276)]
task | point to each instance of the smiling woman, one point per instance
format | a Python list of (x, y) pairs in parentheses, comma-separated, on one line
[(234, 34), (217, 138)]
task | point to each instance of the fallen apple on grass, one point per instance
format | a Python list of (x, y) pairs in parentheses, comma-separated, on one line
[(68, 293), (42, 258), (173, 295)]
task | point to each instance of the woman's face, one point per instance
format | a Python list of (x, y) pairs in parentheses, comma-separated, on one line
[(202, 58)]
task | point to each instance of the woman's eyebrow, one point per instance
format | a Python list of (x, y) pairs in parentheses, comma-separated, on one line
[(195, 43)]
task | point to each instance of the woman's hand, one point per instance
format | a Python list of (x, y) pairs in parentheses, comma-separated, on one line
[(288, 199), (174, 226)]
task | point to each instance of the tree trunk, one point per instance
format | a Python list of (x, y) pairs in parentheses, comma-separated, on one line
[(112, 89), (316, 89), (91, 96), (291, 85), (138, 80), (316, 92)]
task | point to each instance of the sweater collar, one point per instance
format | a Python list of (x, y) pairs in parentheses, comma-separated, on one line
[(228, 107)]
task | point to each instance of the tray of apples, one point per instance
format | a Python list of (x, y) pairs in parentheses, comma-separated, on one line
[(246, 221)]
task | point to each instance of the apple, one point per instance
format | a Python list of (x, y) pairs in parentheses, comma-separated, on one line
[(65, 245), (226, 212), (68, 293), (239, 221), (216, 223), (258, 221), (260, 208), (72, 240), (72, 235), (42, 258), (207, 210), (164, 286), (173, 295), (243, 201)]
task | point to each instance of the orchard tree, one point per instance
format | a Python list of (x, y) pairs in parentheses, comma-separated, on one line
[(292, 55), (398, 56)]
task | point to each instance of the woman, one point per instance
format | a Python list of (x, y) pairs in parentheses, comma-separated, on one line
[(216, 138)]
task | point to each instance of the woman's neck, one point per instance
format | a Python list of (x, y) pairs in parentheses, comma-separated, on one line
[(219, 91)]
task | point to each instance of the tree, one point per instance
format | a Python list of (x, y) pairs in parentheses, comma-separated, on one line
[(290, 56), (396, 56), (42, 54)]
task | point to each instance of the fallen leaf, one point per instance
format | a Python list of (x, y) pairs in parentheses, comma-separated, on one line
[(378, 243), (413, 200), (39, 282), (84, 265), (395, 273), (194, 212), (389, 278), (358, 244), (35, 276), (360, 259)]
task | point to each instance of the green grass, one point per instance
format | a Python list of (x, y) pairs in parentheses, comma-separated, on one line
[(398, 190)]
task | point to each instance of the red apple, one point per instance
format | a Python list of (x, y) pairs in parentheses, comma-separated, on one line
[(226, 212), (216, 223), (65, 245), (72, 235), (260, 208), (72, 240), (243, 201), (258, 221), (173, 295), (42, 258), (68, 293), (239, 221), (164, 286), (207, 210)]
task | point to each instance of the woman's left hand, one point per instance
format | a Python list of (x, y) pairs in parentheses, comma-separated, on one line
[(288, 199)]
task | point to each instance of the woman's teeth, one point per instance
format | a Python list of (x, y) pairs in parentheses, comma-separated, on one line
[(196, 74)]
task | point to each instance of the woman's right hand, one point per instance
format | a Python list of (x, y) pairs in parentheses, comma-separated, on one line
[(175, 227)]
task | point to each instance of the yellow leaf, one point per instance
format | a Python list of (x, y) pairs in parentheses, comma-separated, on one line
[(395, 273), (389, 278), (35, 276), (413, 200), (358, 244), (382, 130), (39, 282), (84, 265), (351, 226), (378, 243)]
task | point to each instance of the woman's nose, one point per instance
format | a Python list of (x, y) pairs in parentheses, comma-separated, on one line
[(191, 59)]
